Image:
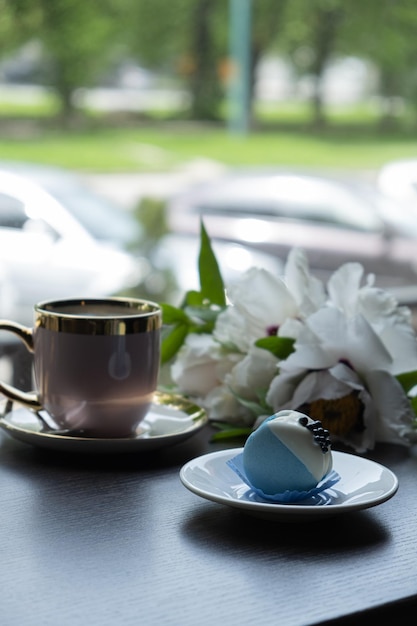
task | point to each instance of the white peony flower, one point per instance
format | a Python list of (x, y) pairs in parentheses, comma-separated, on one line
[(243, 385), (259, 303), (337, 397), (252, 374), (307, 291), (223, 405), (350, 343), (392, 323), (313, 372), (196, 368)]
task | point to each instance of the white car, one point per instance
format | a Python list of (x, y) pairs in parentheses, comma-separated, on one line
[(174, 263), (398, 179), (335, 220), (45, 252), (103, 219)]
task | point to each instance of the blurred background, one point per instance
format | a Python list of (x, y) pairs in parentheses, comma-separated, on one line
[(123, 122)]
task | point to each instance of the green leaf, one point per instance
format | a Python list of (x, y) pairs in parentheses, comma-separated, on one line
[(254, 407), (211, 281), (413, 402), (193, 299), (281, 347), (257, 408), (407, 380), (173, 315), (206, 314), (234, 432), (202, 329), (173, 341)]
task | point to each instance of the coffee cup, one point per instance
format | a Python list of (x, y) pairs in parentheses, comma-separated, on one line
[(95, 362)]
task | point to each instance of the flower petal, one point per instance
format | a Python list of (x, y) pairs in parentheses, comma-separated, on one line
[(254, 372), (343, 287), (394, 412), (223, 405), (329, 337), (195, 369), (262, 299), (307, 290)]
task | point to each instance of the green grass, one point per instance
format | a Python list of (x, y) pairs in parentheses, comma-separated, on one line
[(352, 141), (167, 147)]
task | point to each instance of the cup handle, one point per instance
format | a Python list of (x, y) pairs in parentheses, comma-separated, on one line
[(29, 399)]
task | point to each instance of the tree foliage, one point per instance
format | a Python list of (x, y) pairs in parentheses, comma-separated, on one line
[(192, 42), (190, 39), (76, 36)]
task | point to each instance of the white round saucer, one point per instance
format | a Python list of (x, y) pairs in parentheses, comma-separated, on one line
[(363, 484), (171, 419)]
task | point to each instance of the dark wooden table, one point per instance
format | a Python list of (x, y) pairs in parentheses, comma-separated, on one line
[(117, 540)]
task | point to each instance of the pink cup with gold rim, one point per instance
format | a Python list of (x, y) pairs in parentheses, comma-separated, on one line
[(96, 362)]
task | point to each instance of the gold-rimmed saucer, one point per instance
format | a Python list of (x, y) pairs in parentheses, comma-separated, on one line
[(170, 420)]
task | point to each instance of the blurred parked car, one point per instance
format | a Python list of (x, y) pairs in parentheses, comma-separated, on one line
[(333, 220), (174, 262), (398, 179), (45, 252), (104, 220), (58, 237)]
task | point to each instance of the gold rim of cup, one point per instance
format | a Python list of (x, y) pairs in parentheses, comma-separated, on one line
[(131, 315)]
